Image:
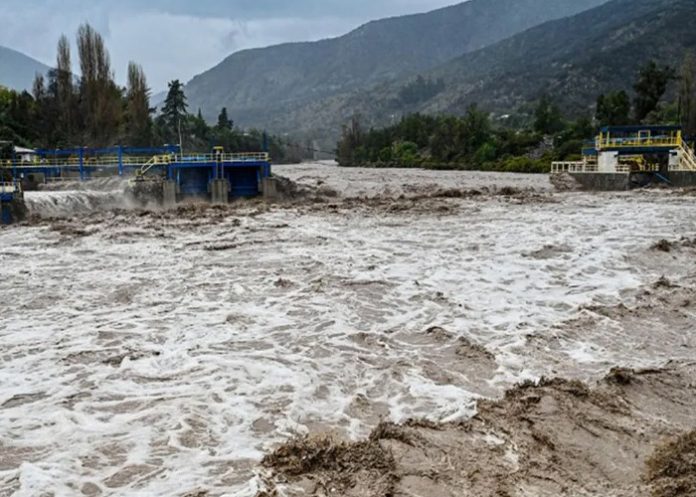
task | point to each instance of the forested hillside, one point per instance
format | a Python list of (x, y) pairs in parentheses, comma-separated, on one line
[(572, 60), (260, 86)]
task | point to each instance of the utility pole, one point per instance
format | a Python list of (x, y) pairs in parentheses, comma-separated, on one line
[(181, 141)]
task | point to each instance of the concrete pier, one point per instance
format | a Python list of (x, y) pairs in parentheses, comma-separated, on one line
[(12, 211), (169, 193), (269, 188), (603, 181), (628, 181), (220, 191)]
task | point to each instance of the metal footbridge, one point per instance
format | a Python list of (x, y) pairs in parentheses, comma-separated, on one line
[(81, 163)]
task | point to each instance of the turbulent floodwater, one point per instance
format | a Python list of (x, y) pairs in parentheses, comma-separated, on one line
[(162, 354)]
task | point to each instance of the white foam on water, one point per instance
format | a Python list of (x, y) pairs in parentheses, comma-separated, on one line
[(147, 365)]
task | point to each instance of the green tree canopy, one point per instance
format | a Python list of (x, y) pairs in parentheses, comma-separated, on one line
[(613, 109), (138, 112), (174, 112), (547, 117), (224, 122), (650, 87)]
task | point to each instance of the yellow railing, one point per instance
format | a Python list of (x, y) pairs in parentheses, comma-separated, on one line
[(143, 161), (105, 161), (673, 140), (242, 157)]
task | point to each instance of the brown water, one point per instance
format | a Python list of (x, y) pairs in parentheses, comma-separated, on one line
[(160, 353)]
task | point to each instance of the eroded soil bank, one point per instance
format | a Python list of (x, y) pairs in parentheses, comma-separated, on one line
[(627, 435)]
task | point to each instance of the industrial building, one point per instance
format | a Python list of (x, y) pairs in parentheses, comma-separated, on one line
[(622, 157)]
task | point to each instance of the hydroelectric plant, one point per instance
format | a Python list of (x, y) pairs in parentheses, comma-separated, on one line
[(624, 157), (163, 175)]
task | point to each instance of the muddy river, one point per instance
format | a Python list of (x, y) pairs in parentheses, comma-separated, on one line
[(163, 353)]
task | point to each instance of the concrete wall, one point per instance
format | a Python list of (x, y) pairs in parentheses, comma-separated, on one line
[(603, 181), (623, 181), (269, 188), (169, 193), (220, 191), (682, 179), (13, 211), (607, 162)]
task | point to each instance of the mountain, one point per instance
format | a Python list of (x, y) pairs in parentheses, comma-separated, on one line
[(258, 86), (573, 60), (17, 71)]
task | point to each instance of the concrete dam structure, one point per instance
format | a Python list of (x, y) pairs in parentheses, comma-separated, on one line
[(163, 175)]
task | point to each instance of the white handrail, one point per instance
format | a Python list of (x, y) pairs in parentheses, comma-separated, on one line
[(573, 167)]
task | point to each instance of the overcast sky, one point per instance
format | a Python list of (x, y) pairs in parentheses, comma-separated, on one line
[(181, 38)]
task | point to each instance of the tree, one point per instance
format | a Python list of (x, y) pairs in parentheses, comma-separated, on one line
[(224, 122), (138, 113), (101, 98), (650, 87), (420, 90), (446, 141), (349, 147), (65, 91), (43, 118), (613, 109), (687, 94), (200, 128), (547, 117), (38, 89), (476, 129), (174, 112)]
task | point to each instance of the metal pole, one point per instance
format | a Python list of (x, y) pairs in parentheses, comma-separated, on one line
[(82, 164), (181, 141), (120, 160), (14, 166)]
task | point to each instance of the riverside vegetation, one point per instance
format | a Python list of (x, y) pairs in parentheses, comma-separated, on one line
[(475, 141)]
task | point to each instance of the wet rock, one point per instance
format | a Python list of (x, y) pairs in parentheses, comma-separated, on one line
[(439, 334), (90, 490), (283, 283)]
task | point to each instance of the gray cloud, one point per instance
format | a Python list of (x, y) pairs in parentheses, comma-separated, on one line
[(180, 38)]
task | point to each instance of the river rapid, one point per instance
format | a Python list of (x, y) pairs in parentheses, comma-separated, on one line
[(163, 353)]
